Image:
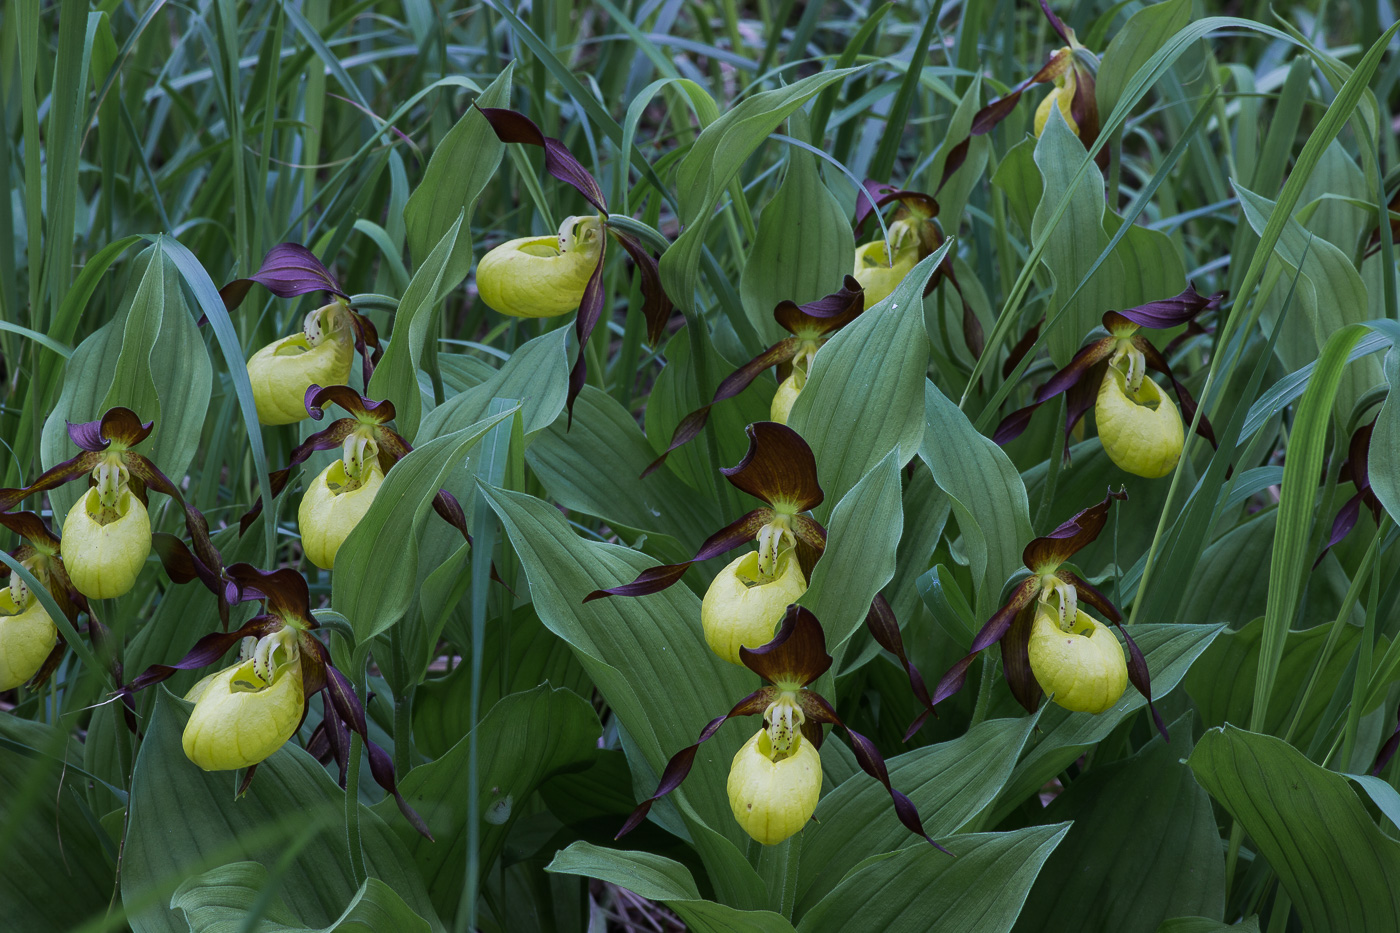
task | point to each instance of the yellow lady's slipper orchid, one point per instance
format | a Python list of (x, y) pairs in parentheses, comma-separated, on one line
[(786, 396), (1062, 94), (320, 354), (333, 506), (106, 539), (773, 794), (541, 276), (244, 713), (877, 273), (27, 635), (743, 606), (1140, 428), (1080, 667)]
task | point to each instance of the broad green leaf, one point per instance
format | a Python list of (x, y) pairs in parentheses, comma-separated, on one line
[(714, 160), (1152, 266), (58, 871), (803, 249), (220, 900), (1063, 736), (954, 193), (525, 738), (415, 323), (1383, 462), (1143, 34), (1337, 866), (863, 399), (673, 683), (459, 170), (537, 374), (1073, 245), (661, 879), (184, 821), (1018, 177), (1206, 925), (860, 551), (950, 783), (371, 592), (1132, 820), (986, 493), (594, 467), (981, 886)]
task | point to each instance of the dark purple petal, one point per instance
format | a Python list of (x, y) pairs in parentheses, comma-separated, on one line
[(206, 651), (1169, 312), (590, 308), (678, 768), (52, 478), (1016, 661), (656, 579), (318, 398), (284, 590), (1341, 525), (1075, 371), (778, 468), (884, 628), (447, 506), (656, 304), (329, 438), (381, 767), (1045, 554), (1140, 678), (513, 127), (30, 527), (1022, 347), (796, 655), (989, 116), (956, 157), (288, 270), (1014, 425), (824, 316), (1055, 22), (877, 194)]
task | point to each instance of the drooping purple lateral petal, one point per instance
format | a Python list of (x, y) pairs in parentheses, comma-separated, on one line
[(206, 651), (1389, 749), (144, 469), (288, 270), (1022, 347), (332, 436), (447, 506), (657, 306), (590, 308), (318, 398), (30, 527), (1075, 371), (381, 767), (1090, 594), (997, 627), (825, 315), (513, 127), (956, 157), (1342, 525), (1359, 456), (986, 119), (1055, 22), (656, 579), (1170, 312), (678, 768), (1140, 678), (367, 343), (778, 468), (1158, 362), (692, 424), (1045, 554), (884, 628), (1016, 661), (796, 655), (817, 709), (877, 194), (1014, 425), (1081, 398)]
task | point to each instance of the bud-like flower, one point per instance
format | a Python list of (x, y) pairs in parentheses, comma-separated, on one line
[(320, 354), (27, 635), (773, 794), (1081, 666), (1062, 94), (1139, 427), (788, 391), (541, 276), (333, 506), (244, 713), (106, 538), (877, 273), (744, 604)]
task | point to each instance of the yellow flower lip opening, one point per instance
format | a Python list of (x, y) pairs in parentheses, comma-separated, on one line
[(105, 546), (1141, 430), (1081, 666), (773, 799), (282, 371), (27, 636), (241, 716), (332, 507), (743, 606), (541, 276)]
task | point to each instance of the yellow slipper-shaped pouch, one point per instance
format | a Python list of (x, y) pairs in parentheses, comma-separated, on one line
[(1082, 669), (104, 548), (774, 799), (27, 635), (742, 607), (541, 276), (1141, 431)]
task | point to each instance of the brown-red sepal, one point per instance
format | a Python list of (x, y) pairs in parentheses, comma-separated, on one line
[(778, 468), (692, 424), (824, 316), (284, 592), (884, 628), (1045, 554), (1016, 660), (797, 654), (288, 270), (678, 768), (365, 409), (30, 527), (1357, 470), (512, 126), (590, 309), (1165, 312), (656, 304), (656, 579), (118, 424), (875, 195), (1076, 378)]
